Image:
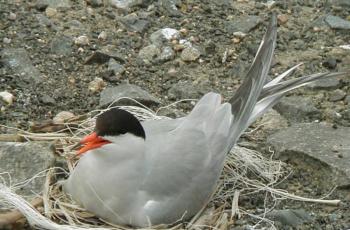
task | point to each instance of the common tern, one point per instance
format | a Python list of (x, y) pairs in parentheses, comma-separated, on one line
[(162, 171)]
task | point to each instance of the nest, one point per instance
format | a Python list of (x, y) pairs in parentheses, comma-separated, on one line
[(246, 172)]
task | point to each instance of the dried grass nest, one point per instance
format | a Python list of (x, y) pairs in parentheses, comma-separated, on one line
[(246, 172)]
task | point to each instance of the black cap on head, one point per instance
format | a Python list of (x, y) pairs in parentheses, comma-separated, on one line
[(117, 121)]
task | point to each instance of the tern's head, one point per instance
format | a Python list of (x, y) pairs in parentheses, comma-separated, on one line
[(110, 125)]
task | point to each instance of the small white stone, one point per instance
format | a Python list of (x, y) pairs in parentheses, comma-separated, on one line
[(6, 40), (170, 33), (12, 16), (97, 85), (82, 40), (7, 97), (63, 116), (102, 36)]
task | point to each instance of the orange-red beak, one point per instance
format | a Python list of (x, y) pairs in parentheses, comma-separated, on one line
[(90, 142)]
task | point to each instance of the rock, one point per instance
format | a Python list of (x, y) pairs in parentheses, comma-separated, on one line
[(282, 19), (341, 3), (48, 100), (115, 68), (23, 161), (336, 22), (97, 85), (43, 4), (184, 90), (43, 20), (61, 45), (102, 56), (325, 84), (242, 24), (6, 40), (62, 117), (12, 16), (111, 94), (190, 54), (17, 59), (50, 12), (330, 63), (102, 36), (169, 7), (297, 109), (164, 35), (272, 121), (133, 23), (149, 54), (82, 40), (337, 95), (125, 4), (95, 3), (290, 217), (7, 97), (167, 54), (316, 147)]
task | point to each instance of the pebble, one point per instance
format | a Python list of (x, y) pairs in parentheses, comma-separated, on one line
[(336, 95), (270, 4), (97, 85), (62, 117), (102, 36), (82, 40), (50, 12), (282, 19), (330, 63), (12, 16), (164, 35), (336, 22), (190, 54), (7, 97), (6, 40)]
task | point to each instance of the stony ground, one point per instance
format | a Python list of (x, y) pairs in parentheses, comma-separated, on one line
[(68, 55)]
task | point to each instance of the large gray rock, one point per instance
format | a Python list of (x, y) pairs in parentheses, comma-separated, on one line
[(112, 94), (23, 161), (242, 24), (297, 109), (17, 59), (317, 147), (336, 22)]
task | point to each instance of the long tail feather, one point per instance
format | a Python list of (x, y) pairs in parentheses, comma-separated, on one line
[(243, 102)]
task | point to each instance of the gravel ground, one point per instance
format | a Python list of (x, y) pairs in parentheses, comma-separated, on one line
[(60, 55)]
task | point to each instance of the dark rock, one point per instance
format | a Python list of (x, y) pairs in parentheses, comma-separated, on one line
[(298, 109), (170, 7), (112, 94), (336, 22), (326, 84), (102, 56), (330, 63), (316, 147), (46, 99), (17, 59), (61, 45), (290, 217), (184, 90), (23, 161), (242, 24), (336, 95), (133, 23), (116, 68), (95, 3)]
